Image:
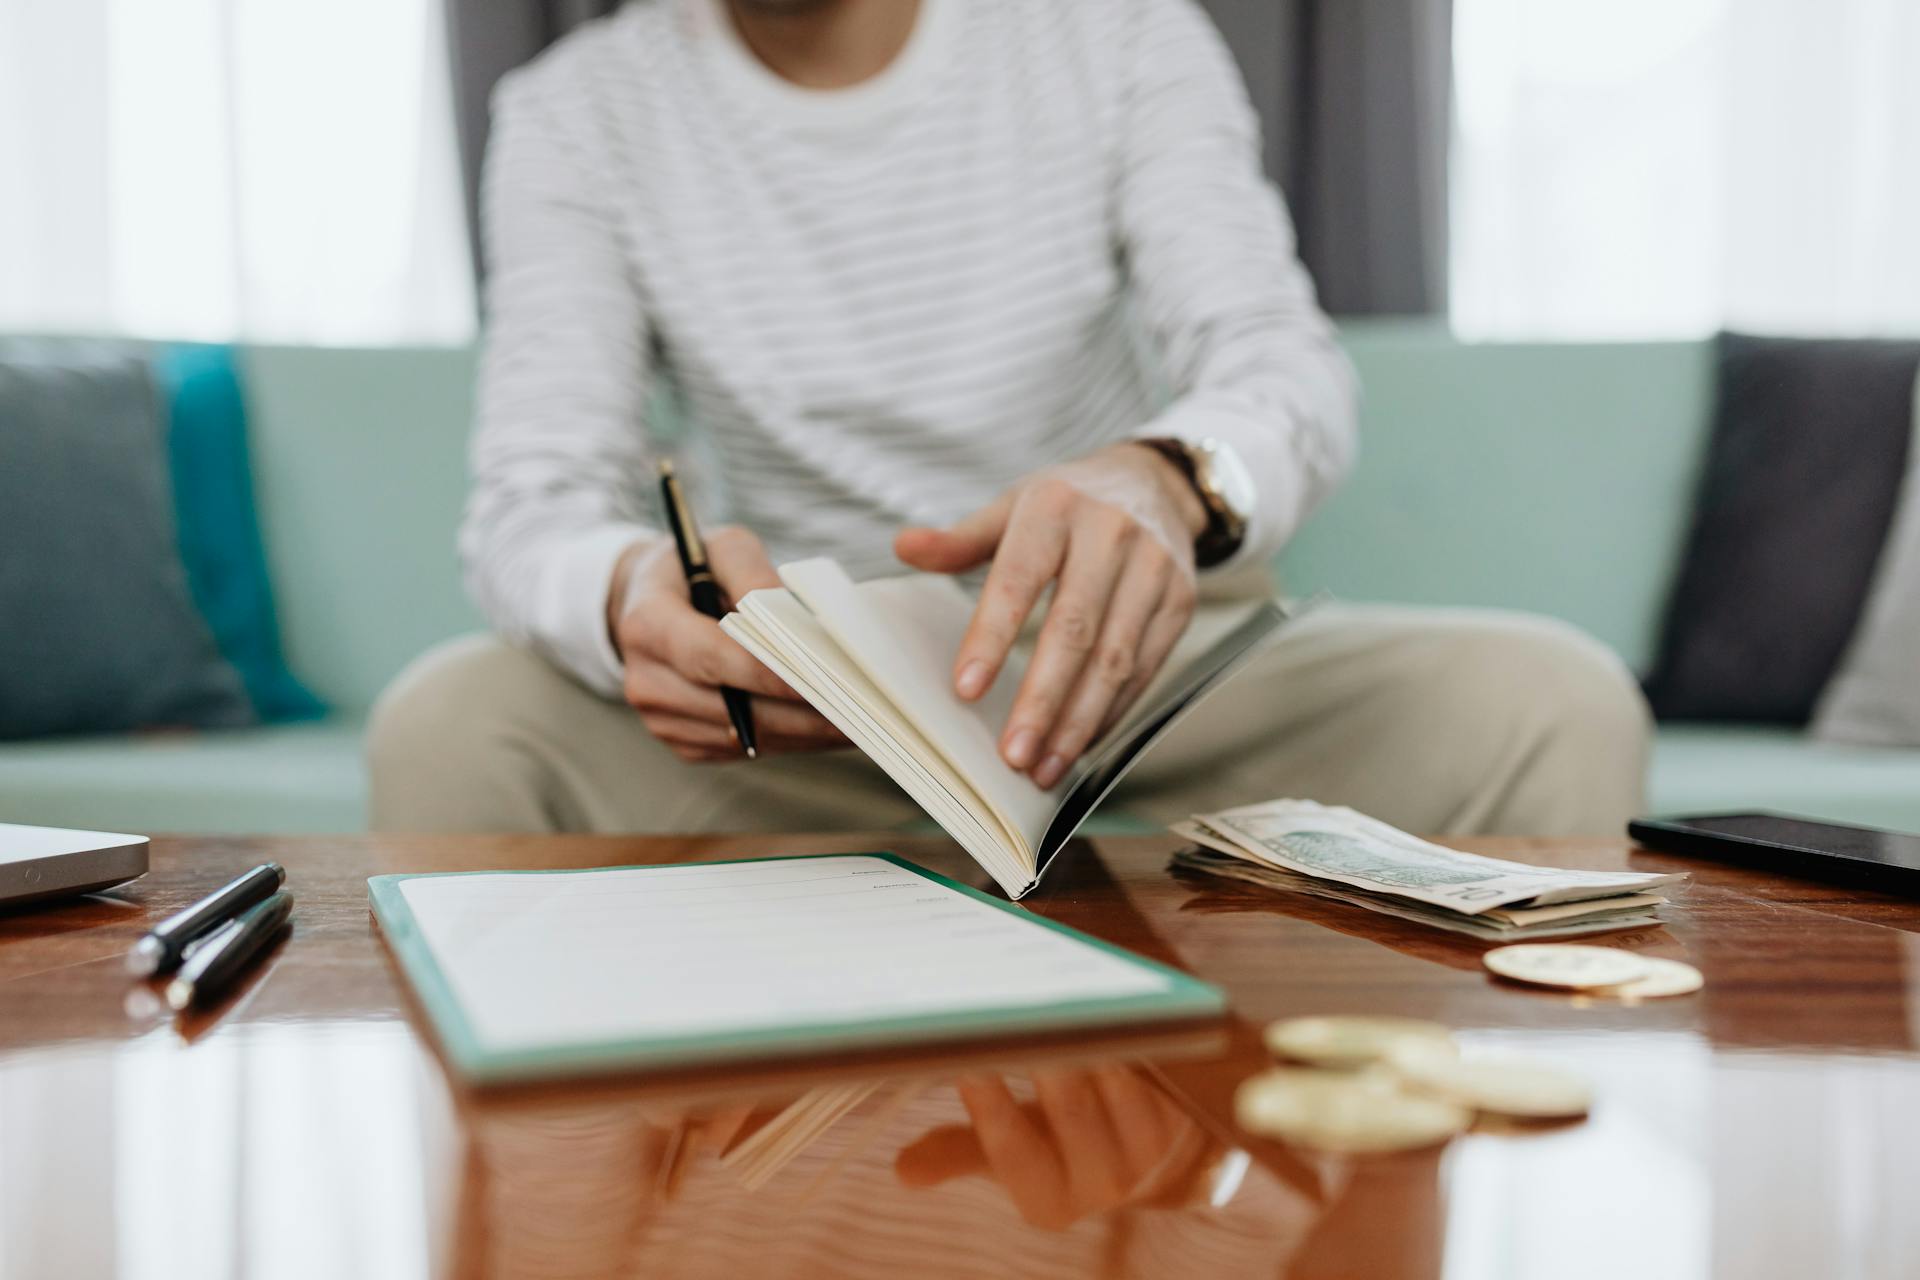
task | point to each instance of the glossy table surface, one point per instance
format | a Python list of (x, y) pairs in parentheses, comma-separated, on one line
[(1767, 1126)]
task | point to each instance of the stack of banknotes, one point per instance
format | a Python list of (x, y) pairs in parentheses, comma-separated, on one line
[(1337, 853)]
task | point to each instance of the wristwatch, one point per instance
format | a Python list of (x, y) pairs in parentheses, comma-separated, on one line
[(1224, 486)]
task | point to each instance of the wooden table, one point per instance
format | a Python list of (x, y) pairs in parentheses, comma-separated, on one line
[(1765, 1127)]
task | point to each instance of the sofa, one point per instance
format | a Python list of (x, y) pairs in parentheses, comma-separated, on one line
[(1552, 478)]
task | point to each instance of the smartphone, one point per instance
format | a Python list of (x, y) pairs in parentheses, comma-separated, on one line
[(1888, 860)]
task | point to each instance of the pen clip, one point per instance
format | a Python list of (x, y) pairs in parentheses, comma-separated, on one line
[(691, 544)]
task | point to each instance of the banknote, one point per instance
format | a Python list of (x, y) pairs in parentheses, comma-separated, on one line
[(1340, 845), (1502, 924)]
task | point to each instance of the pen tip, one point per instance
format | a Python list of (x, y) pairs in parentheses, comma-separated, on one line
[(752, 754), (666, 466)]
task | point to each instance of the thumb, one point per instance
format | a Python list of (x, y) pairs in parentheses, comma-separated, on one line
[(964, 545)]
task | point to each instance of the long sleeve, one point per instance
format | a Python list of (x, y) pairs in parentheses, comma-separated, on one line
[(1226, 304), (558, 454)]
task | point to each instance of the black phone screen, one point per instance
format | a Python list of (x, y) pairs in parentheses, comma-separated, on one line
[(1861, 844)]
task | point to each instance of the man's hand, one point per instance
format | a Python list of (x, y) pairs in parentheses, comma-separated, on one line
[(1113, 535), (1090, 1142), (678, 658)]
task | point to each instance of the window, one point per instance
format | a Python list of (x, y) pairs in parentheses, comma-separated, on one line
[(1660, 168), (230, 169)]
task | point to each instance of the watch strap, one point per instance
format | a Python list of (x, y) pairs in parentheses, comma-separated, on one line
[(1222, 537)]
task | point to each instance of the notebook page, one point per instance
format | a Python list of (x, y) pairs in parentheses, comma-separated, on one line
[(549, 960), (778, 630), (905, 632)]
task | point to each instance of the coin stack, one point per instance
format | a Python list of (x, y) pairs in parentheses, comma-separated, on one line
[(1374, 1085), (1594, 971)]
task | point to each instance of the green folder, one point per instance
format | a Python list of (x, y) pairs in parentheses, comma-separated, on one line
[(815, 907)]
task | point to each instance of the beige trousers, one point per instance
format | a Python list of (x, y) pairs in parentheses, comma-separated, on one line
[(1439, 721)]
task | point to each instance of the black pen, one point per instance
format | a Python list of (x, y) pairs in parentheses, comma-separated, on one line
[(165, 945), (216, 962), (705, 590)]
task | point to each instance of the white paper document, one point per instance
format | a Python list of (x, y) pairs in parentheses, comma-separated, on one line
[(537, 960)]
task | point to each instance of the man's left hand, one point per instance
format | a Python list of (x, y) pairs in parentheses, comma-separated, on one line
[(1113, 534)]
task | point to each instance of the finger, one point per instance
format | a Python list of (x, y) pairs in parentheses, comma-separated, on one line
[(656, 688), (1140, 1119), (1136, 599), (704, 755), (940, 1155), (1184, 1174), (1022, 1157), (1162, 634), (739, 562), (695, 646), (1099, 545), (679, 731), (963, 545), (1028, 559), (1095, 1167), (709, 736), (718, 738)]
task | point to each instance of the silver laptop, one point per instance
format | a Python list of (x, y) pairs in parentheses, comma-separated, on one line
[(51, 862)]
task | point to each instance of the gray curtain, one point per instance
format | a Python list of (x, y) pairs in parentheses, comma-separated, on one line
[(1354, 96), (485, 40)]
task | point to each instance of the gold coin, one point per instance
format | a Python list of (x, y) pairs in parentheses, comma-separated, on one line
[(1516, 1087), (1349, 1041), (1663, 978), (1566, 965), (1344, 1112)]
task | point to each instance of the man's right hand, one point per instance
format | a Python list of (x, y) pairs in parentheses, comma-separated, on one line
[(677, 658)]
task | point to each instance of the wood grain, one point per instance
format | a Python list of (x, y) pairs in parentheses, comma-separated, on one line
[(325, 1139)]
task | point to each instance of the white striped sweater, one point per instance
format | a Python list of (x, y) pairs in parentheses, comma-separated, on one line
[(1041, 230)]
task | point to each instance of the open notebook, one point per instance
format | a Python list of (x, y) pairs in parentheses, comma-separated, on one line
[(876, 659)]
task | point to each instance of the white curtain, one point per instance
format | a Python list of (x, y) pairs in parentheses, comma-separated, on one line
[(1654, 168), (267, 170)]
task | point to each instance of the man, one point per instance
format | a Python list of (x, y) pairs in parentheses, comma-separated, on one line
[(964, 284)]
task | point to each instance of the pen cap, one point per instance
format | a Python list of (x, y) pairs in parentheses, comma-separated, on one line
[(693, 551)]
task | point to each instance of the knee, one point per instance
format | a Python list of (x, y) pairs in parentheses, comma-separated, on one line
[(441, 740), (1566, 716), (433, 703), (1552, 683)]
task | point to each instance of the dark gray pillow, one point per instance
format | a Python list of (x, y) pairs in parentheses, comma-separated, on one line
[(99, 631), (1802, 477)]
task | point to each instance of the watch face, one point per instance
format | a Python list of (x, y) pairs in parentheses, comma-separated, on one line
[(1228, 476)]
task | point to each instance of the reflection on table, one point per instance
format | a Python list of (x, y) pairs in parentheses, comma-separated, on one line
[(1096, 1168)]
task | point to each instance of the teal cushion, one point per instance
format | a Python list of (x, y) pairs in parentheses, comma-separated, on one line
[(360, 466), (1553, 478), (1721, 769), (273, 779), (218, 531)]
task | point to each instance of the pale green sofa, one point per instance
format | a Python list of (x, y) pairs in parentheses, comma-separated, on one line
[(1550, 478)]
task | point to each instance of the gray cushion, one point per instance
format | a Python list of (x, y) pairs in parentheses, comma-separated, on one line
[(1875, 698), (101, 634), (1801, 482)]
